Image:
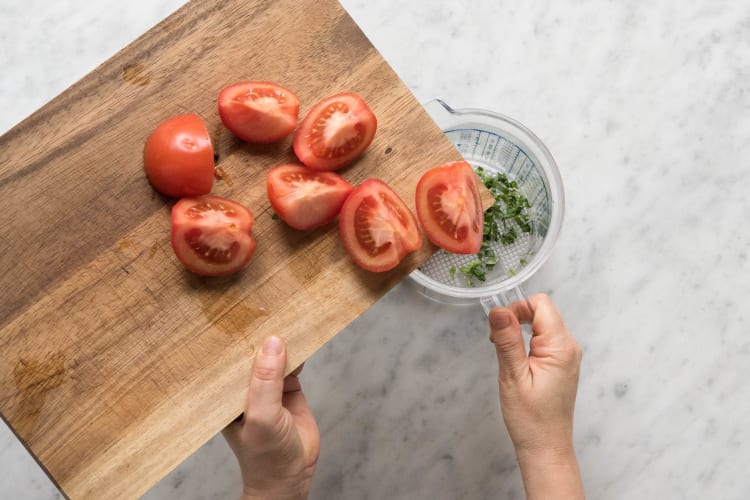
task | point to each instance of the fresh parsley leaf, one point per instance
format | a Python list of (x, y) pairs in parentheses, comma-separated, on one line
[(473, 270)]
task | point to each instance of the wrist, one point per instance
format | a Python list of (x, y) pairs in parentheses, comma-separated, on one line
[(550, 473), (291, 493), (547, 455), (272, 496)]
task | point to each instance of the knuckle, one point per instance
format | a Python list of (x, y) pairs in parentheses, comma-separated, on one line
[(573, 351), (265, 373), (504, 343), (258, 419), (542, 298)]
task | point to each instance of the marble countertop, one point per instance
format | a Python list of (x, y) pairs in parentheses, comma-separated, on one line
[(646, 108)]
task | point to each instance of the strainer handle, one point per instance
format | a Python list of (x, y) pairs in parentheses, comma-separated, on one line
[(504, 299)]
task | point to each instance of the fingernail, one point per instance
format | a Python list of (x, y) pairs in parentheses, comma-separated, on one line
[(272, 346), (499, 319)]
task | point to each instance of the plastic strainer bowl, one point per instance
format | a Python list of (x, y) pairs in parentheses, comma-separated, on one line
[(498, 144)]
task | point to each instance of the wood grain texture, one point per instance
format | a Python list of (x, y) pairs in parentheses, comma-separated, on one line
[(116, 362)]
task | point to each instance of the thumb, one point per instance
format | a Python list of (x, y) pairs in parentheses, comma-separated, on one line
[(505, 333), (267, 382)]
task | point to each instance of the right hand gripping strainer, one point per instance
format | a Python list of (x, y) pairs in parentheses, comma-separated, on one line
[(498, 144)]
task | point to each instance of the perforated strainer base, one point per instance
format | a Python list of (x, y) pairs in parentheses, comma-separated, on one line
[(511, 258)]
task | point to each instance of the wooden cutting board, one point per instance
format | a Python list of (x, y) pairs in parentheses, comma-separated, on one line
[(117, 363)]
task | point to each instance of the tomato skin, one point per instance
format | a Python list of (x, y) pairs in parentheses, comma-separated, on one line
[(179, 158), (211, 235), (449, 207), (305, 198), (377, 227), (258, 112), (334, 132)]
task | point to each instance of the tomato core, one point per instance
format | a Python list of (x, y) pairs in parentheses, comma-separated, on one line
[(374, 233), (262, 99), (303, 179), (451, 211), (336, 133), (209, 253)]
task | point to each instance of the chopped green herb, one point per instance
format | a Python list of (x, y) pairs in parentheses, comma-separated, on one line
[(275, 216), (508, 236), (510, 206), (453, 271), (473, 270), (487, 256), (502, 222)]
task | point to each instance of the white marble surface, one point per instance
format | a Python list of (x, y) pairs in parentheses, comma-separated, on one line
[(646, 107)]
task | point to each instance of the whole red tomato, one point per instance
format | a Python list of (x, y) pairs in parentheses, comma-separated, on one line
[(179, 157)]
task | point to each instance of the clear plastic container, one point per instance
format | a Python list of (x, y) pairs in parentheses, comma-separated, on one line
[(498, 144)]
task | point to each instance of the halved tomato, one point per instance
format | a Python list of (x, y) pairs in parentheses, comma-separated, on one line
[(305, 198), (179, 157), (211, 235), (449, 207), (334, 132), (259, 112), (377, 227)]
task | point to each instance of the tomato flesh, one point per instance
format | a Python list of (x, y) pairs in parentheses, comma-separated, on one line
[(334, 132), (377, 227), (259, 112), (305, 198), (449, 207), (211, 235), (179, 157)]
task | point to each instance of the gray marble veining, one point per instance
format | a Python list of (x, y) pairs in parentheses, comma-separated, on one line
[(646, 108)]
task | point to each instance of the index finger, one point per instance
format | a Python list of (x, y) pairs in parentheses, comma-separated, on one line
[(542, 313)]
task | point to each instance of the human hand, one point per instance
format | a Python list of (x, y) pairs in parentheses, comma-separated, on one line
[(277, 441), (538, 393)]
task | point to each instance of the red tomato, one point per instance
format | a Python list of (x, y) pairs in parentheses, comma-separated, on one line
[(259, 112), (305, 198), (179, 157), (335, 131), (449, 207), (377, 227), (211, 235)]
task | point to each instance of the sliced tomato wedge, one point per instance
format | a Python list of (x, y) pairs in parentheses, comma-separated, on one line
[(259, 112), (179, 158), (211, 235), (305, 198), (377, 227), (334, 132), (449, 207)]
